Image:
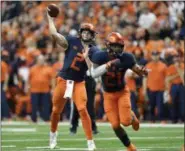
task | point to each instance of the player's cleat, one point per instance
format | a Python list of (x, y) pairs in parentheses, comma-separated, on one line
[(131, 147), (91, 145), (53, 140), (135, 122)]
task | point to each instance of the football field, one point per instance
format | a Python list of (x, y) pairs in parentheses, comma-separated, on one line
[(24, 136)]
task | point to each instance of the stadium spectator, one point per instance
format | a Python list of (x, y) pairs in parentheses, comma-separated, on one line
[(40, 80), (175, 85), (154, 86), (146, 19), (5, 113)]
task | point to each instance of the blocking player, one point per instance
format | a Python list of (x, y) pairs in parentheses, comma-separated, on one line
[(113, 64), (70, 80)]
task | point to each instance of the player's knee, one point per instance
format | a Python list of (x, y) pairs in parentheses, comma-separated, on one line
[(81, 108), (126, 121), (83, 112), (56, 110), (115, 124)]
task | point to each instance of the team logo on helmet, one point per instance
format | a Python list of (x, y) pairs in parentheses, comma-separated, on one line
[(115, 38)]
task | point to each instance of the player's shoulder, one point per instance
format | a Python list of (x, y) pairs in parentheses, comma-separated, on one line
[(127, 55), (98, 56), (72, 38), (95, 48)]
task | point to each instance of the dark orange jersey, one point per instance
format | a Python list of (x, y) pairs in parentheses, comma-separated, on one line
[(40, 78), (171, 70), (156, 78)]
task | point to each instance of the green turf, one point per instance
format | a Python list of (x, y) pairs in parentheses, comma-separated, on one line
[(150, 139)]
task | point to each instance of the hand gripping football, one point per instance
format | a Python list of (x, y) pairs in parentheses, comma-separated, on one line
[(53, 10)]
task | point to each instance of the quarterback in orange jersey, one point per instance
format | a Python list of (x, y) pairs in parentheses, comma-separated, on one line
[(113, 64), (70, 80)]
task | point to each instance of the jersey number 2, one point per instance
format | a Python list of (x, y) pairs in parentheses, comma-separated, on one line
[(78, 58)]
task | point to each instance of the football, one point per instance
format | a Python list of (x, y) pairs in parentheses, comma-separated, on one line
[(53, 10)]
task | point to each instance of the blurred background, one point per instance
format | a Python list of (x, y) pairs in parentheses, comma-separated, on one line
[(153, 31)]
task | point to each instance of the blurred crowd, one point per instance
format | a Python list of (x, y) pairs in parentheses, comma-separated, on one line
[(149, 29)]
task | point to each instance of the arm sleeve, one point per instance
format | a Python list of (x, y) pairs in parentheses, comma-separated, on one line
[(97, 56), (99, 71)]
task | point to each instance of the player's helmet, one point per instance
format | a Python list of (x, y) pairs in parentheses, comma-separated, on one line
[(115, 43), (88, 27)]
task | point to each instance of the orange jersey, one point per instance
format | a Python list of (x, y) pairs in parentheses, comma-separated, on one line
[(156, 78), (171, 70), (40, 78), (4, 70)]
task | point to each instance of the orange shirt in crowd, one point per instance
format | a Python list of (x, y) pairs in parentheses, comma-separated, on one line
[(4, 70), (40, 78), (171, 70), (156, 77), (153, 45)]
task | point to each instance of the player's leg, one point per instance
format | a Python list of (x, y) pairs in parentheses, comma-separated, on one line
[(127, 116), (80, 99), (58, 104), (111, 110)]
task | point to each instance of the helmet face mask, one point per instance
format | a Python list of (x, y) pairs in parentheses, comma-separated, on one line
[(115, 49)]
